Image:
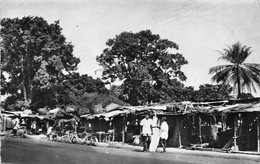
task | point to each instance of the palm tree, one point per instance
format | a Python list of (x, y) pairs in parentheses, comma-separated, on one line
[(238, 73)]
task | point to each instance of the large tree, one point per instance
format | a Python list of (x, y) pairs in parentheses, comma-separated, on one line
[(35, 56), (74, 86), (85, 92), (237, 73), (208, 92), (144, 62)]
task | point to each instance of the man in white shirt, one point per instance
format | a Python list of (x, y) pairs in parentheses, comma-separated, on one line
[(49, 133), (33, 127), (16, 126), (147, 131), (164, 133)]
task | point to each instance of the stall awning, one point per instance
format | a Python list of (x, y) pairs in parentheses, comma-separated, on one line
[(226, 109), (253, 108), (91, 116), (111, 107), (7, 115), (54, 111), (105, 115), (186, 107), (114, 113)]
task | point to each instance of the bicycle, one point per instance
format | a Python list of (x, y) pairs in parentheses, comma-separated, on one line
[(107, 138), (90, 139), (73, 137), (22, 132), (69, 137)]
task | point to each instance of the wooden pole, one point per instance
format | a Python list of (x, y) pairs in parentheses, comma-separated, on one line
[(224, 122), (123, 131), (179, 132), (114, 132), (0, 84), (258, 133), (235, 133), (200, 130), (3, 120), (99, 130)]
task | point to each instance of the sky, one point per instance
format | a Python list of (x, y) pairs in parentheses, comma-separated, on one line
[(199, 27)]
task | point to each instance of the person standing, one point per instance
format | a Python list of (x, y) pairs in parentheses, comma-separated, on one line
[(49, 133), (33, 127), (147, 131), (164, 133), (16, 126), (155, 137)]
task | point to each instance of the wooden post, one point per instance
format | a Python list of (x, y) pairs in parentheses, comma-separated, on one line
[(235, 133), (99, 138), (99, 124), (4, 121), (123, 131), (0, 85), (223, 122), (215, 120), (258, 133), (114, 133), (200, 135), (179, 132)]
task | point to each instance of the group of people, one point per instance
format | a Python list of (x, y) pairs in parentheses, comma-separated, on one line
[(18, 127), (152, 131), (19, 124)]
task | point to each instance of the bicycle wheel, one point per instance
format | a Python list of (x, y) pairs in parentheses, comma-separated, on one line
[(106, 139), (94, 140), (74, 140), (64, 138)]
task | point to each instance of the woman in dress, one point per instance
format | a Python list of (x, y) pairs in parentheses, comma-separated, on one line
[(155, 136)]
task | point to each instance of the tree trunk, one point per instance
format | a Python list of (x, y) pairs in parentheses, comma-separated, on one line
[(26, 84), (23, 83), (238, 84), (29, 95)]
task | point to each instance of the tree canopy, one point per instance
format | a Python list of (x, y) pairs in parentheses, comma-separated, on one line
[(35, 55), (144, 62), (84, 92), (73, 87), (208, 92), (238, 73)]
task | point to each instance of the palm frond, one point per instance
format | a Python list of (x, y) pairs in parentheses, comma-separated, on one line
[(243, 54), (254, 71), (249, 75), (218, 68), (235, 54), (246, 78), (253, 67), (222, 74)]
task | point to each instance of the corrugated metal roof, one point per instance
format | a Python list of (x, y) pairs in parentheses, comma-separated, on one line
[(254, 108), (106, 115)]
